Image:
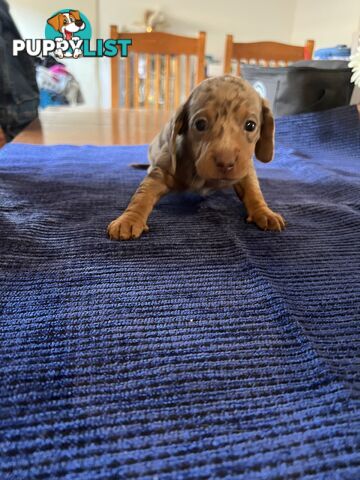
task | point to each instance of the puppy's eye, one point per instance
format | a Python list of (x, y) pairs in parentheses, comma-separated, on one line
[(65, 21), (201, 124), (250, 126)]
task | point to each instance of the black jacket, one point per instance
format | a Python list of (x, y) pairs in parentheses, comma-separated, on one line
[(19, 96)]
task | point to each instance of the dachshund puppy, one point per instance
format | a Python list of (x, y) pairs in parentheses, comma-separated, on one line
[(208, 144)]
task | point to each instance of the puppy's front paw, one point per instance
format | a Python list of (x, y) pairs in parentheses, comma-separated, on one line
[(266, 219), (59, 53), (77, 53), (129, 225)]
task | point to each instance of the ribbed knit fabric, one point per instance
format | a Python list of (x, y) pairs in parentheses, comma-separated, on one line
[(208, 348)]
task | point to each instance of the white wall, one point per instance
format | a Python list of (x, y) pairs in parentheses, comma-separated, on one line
[(245, 18), (328, 22), (30, 17)]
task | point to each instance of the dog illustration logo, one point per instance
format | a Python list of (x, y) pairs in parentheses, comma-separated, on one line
[(68, 35), (69, 24)]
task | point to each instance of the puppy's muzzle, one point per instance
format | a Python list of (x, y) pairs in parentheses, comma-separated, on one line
[(225, 160)]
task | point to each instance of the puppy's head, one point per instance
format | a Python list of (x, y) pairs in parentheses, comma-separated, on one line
[(67, 23), (225, 122)]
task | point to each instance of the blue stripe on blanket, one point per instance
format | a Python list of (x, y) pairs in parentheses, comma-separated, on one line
[(206, 349)]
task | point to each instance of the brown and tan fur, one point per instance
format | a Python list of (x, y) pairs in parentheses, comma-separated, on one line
[(183, 158), (60, 19)]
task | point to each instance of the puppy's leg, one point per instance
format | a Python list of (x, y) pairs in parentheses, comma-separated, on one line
[(77, 53), (248, 190), (132, 223), (59, 53)]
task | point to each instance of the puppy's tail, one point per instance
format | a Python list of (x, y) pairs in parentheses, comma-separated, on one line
[(140, 166)]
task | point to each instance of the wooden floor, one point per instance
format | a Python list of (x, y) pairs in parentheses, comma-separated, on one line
[(82, 126), (85, 126)]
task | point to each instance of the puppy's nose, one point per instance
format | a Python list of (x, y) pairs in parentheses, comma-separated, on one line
[(225, 161), (78, 23)]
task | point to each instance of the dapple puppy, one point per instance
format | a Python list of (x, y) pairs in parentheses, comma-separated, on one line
[(208, 144)]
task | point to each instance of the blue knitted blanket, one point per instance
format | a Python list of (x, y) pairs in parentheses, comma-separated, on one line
[(208, 348)]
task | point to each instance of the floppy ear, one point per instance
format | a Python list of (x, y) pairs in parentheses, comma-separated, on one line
[(75, 14), (179, 127), (264, 149), (55, 21)]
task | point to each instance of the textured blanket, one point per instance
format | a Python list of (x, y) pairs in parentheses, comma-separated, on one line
[(206, 349)]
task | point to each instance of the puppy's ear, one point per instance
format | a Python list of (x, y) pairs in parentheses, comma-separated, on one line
[(264, 149), (55, 21), (179, 127), (75, 14)]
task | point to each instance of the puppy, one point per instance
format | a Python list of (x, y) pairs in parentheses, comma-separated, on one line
[(67, 24), (208, 144)]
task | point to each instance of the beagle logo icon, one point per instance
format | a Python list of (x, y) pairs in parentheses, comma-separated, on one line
[(68, 35), (71, 27)]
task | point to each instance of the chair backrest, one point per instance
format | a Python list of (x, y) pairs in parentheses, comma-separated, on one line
[(265, 53), (159, 72), (2, 138)]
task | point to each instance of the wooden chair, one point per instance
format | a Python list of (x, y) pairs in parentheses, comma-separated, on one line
[(2, 138), (162, 56), (265, 53)]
